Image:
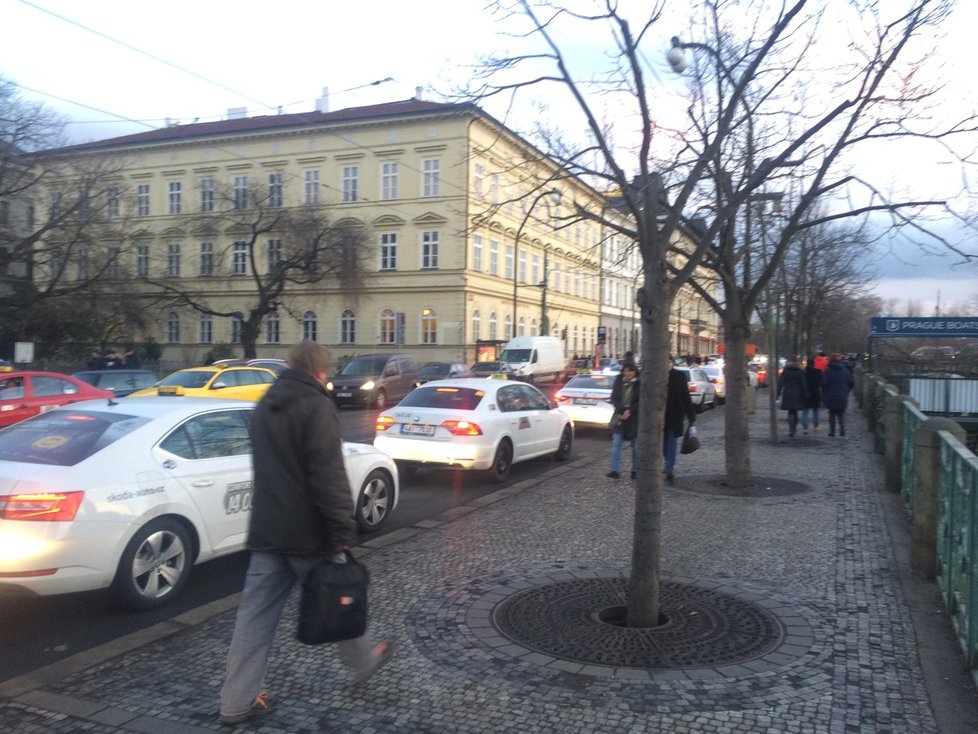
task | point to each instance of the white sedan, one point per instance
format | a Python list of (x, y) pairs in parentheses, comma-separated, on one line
[(133, 493), (701, 390), (480, 424), (587, 399)]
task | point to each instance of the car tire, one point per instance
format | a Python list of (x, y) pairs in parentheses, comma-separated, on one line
[(566, 444), (502, 461), (380, 402), (154, 565), (374, 501)]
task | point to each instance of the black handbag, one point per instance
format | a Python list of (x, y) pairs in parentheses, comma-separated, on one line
[(691, 441), (333, 606)]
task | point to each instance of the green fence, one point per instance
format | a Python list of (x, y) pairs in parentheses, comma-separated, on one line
[(912, 418)]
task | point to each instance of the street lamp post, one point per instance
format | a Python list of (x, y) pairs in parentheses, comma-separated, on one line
[(554, 195)]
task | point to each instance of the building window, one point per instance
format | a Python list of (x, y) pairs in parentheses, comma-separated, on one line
[(54, 204), (533, 328), (112, 203), (275, 199), (495, 189), (274, 254), (508, 262), (522, 271), (388, 251), (429, 326), (173, 197), (112, 269), (577, 282), (388, 180), (239, 193), (206, 327), (272, 329), (535, 270), (237, 322), (431, 177), (206, 259), (142, 261), (81, 263), (494, 257), (173, 260), (476, 325), (239, 258), (508, 327), (348, 327), (521, 327), (492, 326), (477, 177), (173, 327), (387, 330), (311, 186), (429, 249), (207, 194), (310, 330), (142, 200), (477, 252), (575, 337), (350, 183), (556, 283)]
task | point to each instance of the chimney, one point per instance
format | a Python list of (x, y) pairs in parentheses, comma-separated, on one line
[(237, 113), (322, 104), (419, 93)]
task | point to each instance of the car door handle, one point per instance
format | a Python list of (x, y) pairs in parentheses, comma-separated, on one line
[(203, 483)]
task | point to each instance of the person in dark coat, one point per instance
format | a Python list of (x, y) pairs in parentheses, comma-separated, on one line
[(836, 385), (96, 361), (131, 359), (813, 400), (678, 406), (624, 398), (792, 391), (302, 511)]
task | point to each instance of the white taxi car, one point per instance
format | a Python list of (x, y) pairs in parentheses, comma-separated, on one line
[(587, 399), (474, 423), (134, 492)]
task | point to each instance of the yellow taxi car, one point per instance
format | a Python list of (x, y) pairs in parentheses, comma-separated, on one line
[(5, 366), (214, 381)]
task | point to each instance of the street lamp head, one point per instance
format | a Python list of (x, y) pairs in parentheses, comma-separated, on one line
[(555, 196), (676, 56)]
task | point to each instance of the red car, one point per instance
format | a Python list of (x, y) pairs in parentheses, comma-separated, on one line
[(25, 394)]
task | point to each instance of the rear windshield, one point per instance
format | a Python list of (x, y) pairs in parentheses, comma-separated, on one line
[(430, 370), (452, 398), (603, 382), (362, 366), (64, 438)]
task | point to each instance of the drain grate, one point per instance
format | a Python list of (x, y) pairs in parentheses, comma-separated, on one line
[(574, 620)]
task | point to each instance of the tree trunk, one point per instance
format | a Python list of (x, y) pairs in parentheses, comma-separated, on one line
[(250, 329), (644, 582), (736, 420)]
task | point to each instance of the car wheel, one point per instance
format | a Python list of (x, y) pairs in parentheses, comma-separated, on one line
[(155, 564), (374, 501), (502, 462), (698, 408), (380, 402), (566, 444)]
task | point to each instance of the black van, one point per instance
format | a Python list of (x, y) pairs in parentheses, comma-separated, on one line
[(374, 380)]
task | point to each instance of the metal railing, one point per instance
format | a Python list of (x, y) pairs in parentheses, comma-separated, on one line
[(912, 418), (957, 543)]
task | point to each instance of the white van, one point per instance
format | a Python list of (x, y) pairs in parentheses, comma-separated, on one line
[(534, 358)]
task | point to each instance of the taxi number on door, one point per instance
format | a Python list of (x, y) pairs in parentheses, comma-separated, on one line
[(237, 498)]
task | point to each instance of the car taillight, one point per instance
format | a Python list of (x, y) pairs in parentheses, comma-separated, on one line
[(384, 422), (462, 428), (692, 387), (53, 506)]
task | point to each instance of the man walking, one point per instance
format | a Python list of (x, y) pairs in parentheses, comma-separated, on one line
[(678, 406), (302, 511)]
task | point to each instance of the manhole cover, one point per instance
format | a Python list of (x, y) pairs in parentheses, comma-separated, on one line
[(759, 486), (575, 620)]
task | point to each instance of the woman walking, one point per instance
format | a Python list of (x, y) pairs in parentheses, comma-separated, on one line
[(792, 392), (836, 384), (624, 398)]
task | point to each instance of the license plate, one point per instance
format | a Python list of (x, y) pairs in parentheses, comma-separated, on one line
[(344, 394), (585, 401), (416, 430)]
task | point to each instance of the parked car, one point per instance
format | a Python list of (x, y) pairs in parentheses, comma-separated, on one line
[(967, 353), (443, 371), (575, 367), (760, 371), (374, 380), (587, 399), (716, 376), (132, 493), (120, 382), (534, 358), (25, 394), (932, 354), (474, 424), (5, 366), (278, 366), (701, 390), (494, 369), (214, 381)]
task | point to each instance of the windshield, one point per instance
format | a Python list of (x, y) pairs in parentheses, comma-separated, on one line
[(64, 438), (365, 366), (515, 355), (452, 398), (187, 379), (432, 370)]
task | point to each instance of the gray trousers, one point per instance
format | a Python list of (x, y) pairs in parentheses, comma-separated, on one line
[(270, 579)]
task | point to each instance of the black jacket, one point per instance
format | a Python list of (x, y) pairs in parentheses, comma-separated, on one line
[(628, 427), (813, 386), (302, 503), (792, 389), (678, 403)]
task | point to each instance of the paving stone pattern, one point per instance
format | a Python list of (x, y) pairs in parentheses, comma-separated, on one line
[(819, 560)]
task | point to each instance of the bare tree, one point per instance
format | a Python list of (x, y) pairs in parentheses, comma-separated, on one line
[(752, 122)]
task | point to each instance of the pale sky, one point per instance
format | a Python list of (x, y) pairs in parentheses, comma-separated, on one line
[(269, 56)]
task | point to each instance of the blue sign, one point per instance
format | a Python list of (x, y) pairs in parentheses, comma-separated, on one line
[(943, 326)]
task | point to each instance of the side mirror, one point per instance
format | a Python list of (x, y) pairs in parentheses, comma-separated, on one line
[(218, 385)]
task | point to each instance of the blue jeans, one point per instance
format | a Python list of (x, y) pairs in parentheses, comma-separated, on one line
[(270, 579), (804, 417), (670, 448), (617, 437)]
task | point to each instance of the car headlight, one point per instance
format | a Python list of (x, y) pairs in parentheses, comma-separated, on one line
[(329, 386), (368, 385)]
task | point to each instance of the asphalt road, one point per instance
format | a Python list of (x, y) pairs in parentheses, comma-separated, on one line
[(41, 631)]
